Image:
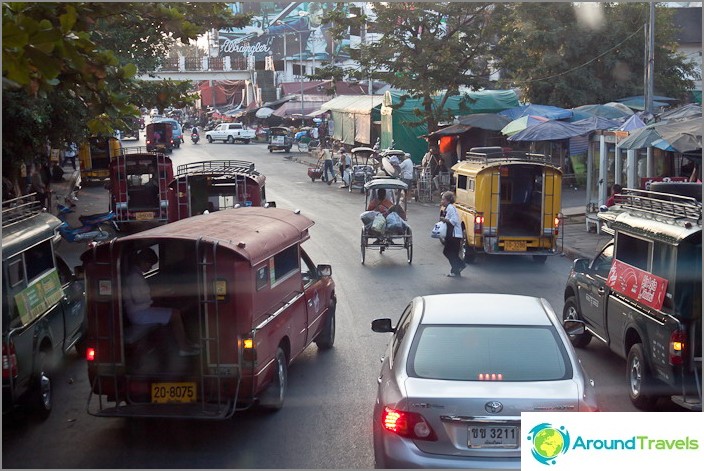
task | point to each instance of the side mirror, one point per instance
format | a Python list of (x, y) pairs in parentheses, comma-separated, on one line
[(581, 265), (79, 272), (574, 327), (382, 325), (324, 270)]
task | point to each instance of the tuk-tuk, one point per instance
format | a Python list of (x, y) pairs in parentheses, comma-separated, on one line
[(280, 139), (160, 137), (249, 296), (95, 156), (139, 187), (509, 203), (213, 186)]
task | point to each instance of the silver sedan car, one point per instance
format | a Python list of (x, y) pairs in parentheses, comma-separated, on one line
[(458, 372)]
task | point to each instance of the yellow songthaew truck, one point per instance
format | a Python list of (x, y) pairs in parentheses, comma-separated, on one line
[(509, 203), (95, 155)]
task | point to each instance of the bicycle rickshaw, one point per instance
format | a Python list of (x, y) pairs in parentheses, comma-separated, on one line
[(361, 173), (395, 236)]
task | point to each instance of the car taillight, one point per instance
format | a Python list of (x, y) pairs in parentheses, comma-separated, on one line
[(249, 350), (479, 223), (9, 361), (678, 341), (90, 354), (407, 424)]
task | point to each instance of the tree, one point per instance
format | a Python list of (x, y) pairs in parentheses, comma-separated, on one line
[(557, 58), (430, 50), (73, 65)]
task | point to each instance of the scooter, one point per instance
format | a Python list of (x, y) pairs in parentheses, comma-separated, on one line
[(195, 137), (92, 230)]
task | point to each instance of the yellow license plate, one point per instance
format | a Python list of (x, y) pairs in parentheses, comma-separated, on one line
[(164, 393), (515, 246), (144, 216)]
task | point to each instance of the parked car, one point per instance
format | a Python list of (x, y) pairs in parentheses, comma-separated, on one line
[(458, 372), (230, 133)]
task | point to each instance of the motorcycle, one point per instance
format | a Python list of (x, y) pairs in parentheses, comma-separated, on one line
[(195, 137), (95, 227)]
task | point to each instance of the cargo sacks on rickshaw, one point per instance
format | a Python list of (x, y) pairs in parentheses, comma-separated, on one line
[(379, 225)]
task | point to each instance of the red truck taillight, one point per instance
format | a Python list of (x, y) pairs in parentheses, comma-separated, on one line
[(678, 341), (9, 361), (90, 354), (479, 223)]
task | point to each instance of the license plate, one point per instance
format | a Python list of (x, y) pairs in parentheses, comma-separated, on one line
[(515, 246), (144, 216), (492, 436), (163, 393)]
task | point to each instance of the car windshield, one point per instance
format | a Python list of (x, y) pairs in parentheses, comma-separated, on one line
[(470, 353)]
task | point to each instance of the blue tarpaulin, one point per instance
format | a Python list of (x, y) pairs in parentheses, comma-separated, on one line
[(550, 112)]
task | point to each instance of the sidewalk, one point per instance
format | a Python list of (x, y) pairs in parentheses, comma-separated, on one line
[(575, 241)]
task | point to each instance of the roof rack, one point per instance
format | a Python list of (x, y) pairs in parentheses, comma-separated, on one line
[(660, 204), (19, 209), (499, 155), (137, 150), (216, 166)]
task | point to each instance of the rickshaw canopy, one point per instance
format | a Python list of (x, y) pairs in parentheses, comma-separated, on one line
[(386, 183), (362, 149)]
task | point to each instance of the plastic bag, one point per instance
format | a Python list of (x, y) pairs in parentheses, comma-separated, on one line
[(379, 224), (394, 224), (439, 230), (367, 218)]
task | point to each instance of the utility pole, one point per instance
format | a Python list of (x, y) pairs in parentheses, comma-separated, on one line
[(650, 70)]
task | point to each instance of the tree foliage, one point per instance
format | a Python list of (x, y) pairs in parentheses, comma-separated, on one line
[(74, 66), (556, 57)]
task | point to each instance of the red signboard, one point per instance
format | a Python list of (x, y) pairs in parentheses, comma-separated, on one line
[(637, 284)]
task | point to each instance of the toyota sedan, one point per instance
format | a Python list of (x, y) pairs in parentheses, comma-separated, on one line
[(458, 372)]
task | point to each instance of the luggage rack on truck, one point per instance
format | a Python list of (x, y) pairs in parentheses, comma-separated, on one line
[(216, 166), (19, 209), (490, 155), (653, 203)]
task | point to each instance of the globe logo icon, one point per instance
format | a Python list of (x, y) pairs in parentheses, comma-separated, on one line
[(548, 442)]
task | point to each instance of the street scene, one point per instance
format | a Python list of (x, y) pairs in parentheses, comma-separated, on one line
[(310, 279)]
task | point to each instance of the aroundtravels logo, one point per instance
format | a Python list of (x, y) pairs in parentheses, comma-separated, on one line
[(548, 442)]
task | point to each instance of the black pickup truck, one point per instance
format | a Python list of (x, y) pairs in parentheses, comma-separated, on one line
[(642, 295)]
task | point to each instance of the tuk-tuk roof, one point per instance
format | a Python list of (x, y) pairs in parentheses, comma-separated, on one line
[(381, 182), (254, 233), (389, 152), (362, 149)]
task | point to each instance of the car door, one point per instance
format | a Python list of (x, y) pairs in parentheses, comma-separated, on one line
[(593, 291), (315, 299), (219, 132), (73, 303)]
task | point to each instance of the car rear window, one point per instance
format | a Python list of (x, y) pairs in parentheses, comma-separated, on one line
[(504, 353)]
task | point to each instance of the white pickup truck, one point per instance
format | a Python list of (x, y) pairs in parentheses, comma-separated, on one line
[(230, 132)]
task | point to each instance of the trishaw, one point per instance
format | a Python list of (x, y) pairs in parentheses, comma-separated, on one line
[(139, 187), (160, 137), (213, 186), (398, 236), (363, 168), (280, 139)]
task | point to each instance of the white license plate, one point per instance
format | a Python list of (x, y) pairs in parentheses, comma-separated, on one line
[(164, 393), (515, 246), (144, 216), (493, 436)]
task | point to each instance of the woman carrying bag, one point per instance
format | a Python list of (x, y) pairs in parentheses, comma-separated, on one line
[(453, 239)]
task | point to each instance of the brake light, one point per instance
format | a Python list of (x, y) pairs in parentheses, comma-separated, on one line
[(479, 223), (407, 424), (678, 342), (9, 361), (90, 354)]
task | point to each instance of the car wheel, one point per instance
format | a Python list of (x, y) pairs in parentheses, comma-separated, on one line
[(230, 140), (641, 383), (210, 139), (271, 150), (571, 312), (41, 399), (246, 141), (326, 337), (273, 398)]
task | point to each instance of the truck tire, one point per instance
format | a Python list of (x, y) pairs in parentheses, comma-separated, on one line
[(41, 397), (326, 338), (273, 397), (247, 141), (210, 139), (571, 312), (641, 384), (230, 140)]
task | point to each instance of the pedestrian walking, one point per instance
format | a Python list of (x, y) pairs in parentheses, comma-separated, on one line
[(326, 155), (70, 154), (345, 166), (453, 238)]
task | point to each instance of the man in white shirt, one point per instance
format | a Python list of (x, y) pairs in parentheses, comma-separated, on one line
[(406, 170)]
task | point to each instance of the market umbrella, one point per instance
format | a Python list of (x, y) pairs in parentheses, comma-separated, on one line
[(691, 110), (634, 122), (264, 112), (518, 125), (683, 136), (550, 112), (488, 121), (603, 111), (550, 131), (595, 122)]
